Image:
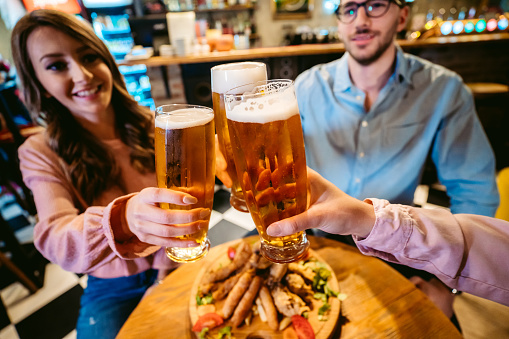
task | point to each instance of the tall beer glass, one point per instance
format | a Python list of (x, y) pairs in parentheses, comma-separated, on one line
[(225, 77), (185, 161), (268, 148)]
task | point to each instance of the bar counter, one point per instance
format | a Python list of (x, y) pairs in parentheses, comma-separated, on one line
[(308, 50)]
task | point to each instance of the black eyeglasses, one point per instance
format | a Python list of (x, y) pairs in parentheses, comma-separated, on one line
[(374, 9)]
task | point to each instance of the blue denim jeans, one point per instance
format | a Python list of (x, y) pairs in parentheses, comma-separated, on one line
[(106, 304)]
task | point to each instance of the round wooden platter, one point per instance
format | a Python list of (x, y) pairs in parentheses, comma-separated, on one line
[(259, 329)]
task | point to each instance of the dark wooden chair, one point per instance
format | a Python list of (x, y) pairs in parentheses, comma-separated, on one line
[(25, 267), (12, 135)]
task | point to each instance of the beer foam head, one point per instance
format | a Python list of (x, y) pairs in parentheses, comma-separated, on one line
[(279, 105), (228, 76), (184, 118)]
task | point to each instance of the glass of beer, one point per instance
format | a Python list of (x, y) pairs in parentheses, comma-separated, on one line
[(185, 161), (268, 148), (225, 77)]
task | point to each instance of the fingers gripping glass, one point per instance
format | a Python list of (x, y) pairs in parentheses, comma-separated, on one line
[(374, 9), (185, 161)]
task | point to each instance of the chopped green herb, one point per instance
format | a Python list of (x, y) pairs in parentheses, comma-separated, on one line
[(203, 333), (316, 265), (205, 300), (305, 315), (318, 283), (320, 280), (330, 292), (225, 333), (322, 310), (320, 296), (323, 273)]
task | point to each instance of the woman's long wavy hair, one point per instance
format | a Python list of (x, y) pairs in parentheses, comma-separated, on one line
[(90, 166)]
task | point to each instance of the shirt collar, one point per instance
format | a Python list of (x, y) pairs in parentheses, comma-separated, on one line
[(343, 82), (402, 67)]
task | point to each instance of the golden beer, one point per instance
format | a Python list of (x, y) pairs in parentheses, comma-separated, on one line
[(225, 77), (185, 161), (268, 148)]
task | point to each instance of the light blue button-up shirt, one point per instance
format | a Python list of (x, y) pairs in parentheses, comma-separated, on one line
[(381, 153)]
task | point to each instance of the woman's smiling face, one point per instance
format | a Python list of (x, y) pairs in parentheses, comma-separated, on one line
[(71, 72)]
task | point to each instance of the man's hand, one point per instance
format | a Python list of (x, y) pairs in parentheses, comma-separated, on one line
[(330, 210)]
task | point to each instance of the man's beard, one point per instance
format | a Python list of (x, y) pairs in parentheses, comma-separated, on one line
[(369, 59)]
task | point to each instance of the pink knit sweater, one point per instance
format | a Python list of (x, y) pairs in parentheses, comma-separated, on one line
[(86, 242)]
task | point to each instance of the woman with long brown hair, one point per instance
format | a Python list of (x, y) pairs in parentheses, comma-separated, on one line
[(92, 170)]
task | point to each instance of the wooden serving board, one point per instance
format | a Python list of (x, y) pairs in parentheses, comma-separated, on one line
[(258, 328)]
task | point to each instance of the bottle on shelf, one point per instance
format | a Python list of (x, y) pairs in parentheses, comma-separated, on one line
[(471, 12), (452, 13), (430, 15), (441, 15), (463, 13)]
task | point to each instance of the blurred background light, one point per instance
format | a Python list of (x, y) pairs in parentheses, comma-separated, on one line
[(430, 24), (480, 26), (457, 28), (492, 25), (446, 28), (469, 27), (503, 23), (329, 6)]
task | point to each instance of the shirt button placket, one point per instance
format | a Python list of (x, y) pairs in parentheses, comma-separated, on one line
[(364, 124), (360, 167)]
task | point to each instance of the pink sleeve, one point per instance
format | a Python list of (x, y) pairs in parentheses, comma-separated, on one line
[(466, 252), (79, 242)]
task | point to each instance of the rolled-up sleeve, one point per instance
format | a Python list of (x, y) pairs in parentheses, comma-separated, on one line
[(87, 242), (466, 252)]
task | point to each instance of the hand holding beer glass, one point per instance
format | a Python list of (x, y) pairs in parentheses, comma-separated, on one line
[(185, 161), (225, 77), (268, 148)]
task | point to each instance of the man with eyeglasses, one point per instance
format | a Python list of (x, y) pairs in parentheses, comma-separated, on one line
[(371, 118)]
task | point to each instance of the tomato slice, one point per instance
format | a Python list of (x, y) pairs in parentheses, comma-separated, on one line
[(209, 320), (302, 327), (231, 253)]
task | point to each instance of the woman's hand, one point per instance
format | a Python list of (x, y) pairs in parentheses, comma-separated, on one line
[(221, 166), (157, 226), (330, 210)]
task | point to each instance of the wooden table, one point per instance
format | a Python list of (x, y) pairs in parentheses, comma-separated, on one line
[(380, 302)]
